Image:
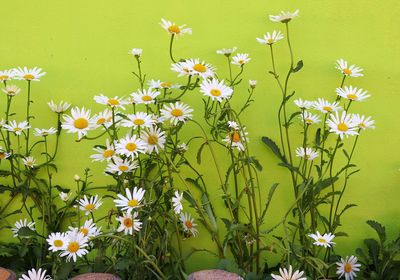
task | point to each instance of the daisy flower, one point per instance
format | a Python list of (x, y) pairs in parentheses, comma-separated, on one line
[(363, 122), (57, 241), (284, 17), (131, 200), (352, 93), (136, 52), (11, 90), (119, 166), (252, 83), (183, 147), (306, 153), (226, 52), (45, 132), (175, 29), (352, 71), (154, 138), (199, 68), (130, 146), (79, 122), (89, 229), (237, 137), (303, 104), (75, 247), (240, 59), (89, 205), (106, 153), (323, 240), (140, 119), (105, 119), (233, 125), (182, 68), (157, 84), (325, 106), (348, 267), (175, 113), (289, 275), (145, 96), (188, 224), (29, 162), (34, 274), (32, 74), (342, 125), (3, 153), (309, 118), (22, 224), (177, 202), (113, 102), (17, 128), (6, 75), (270, 38), (65, 196), (215, 89), (59, 108), (129, 223)]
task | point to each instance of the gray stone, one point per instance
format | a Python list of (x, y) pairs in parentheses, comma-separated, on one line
[(6, 274), (96, 276), (214, 274)]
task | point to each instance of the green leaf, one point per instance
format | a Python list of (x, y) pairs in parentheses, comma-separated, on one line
[(269, 198), (298, 66), (198, 156), (320, 185), (318, 137), (274, 147), (380, 230), (255, 162), (209, 210)]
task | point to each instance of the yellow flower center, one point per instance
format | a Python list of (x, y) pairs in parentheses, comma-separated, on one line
[(58, 243), (17, 129), (352, 96), (342, 127), (128, 222), (29, 77), (108, 153), (215, 92), (113, 102), (147, 98), (362, 125), (327, 108), (174, 29), (138, 122), (133, 203), (241, 61), (4, 77), (85, 231), (321, 240), (81, 123), (165, 84), (270, 41), (347, 71), (347, 268), (308, 121), (200, 68), (131, 147), (123, 168), (73, 247), (101, 121), (235, 137), (188, 224), (89, 207), (177, 112), (152, 139)]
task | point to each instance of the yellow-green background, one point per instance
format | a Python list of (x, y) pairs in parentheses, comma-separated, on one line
[(83, 46)]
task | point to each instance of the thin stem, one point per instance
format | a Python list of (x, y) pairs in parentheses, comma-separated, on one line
[(170, 48)]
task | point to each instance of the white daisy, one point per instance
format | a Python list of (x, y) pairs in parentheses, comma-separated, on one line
[(29, 162), (113, 102), (284, 17), (154, 138), (89, 229), (75, 246), (129, 223), (175, 113), (3, 153), (226, 52), (158, 84), (183, 147), (188, 224), (289, 275), (65, 196), (145, 96), (325, 106), (175, 29), (131, 200), (11, 90), (323, 240), (199, 68), (309, 118), (119, 166), (233, 125), (130, 146), (342, 125), (79, 122), (32, 74), (105, 119), (177, 202), (22, 224), (252, 83), (270, 38), (352, 93), (104, 153), (34, 274), (241, 59), (45, 132), (6, 75), (303, 104), (57, 241), (136, 52), (89, 205), (182, 68), (363, 122), (59, 108), (352, 71), (237, 137), (306, 153), (215, 89), (348, 267), (17, 128), (140, 119)]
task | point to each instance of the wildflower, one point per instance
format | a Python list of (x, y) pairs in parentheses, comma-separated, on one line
[(57, 241), (215, 89), (113, 102), (17, 128), (325, 106), (342, 125), (177, 202), (309, 118), (154, 139), (348, 267), (363, 122), (64, 196), (79, 122), (352, 71), (323, 240), (303, 104), (252, 83), (22, 224), (120, 166), (59, 108), (270, 38), (106, 153), (89, 205), (29, 162), (32, 74), (11, 90), (131, 200), (284, 17), (226, 52), (34, 274), (136, 52), (352, 94), (188, 224), (129, 223), (6, 75), (177, 112), (174, 29), (45, 132), (306, 153), (289, 275), (145, 96), (130, 146), (75, 247), (240, 59), (139, 119)]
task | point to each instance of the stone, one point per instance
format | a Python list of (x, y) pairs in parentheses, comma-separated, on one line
[(96, 276), (6, 274), (214, 274)]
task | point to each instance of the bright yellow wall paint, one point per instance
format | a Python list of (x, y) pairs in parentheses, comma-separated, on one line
[(83, 46)]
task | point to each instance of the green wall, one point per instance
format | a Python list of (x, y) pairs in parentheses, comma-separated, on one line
[(83, 46)]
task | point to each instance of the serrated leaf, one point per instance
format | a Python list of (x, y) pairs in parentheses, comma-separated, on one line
[(274, 147), (380, 230)]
